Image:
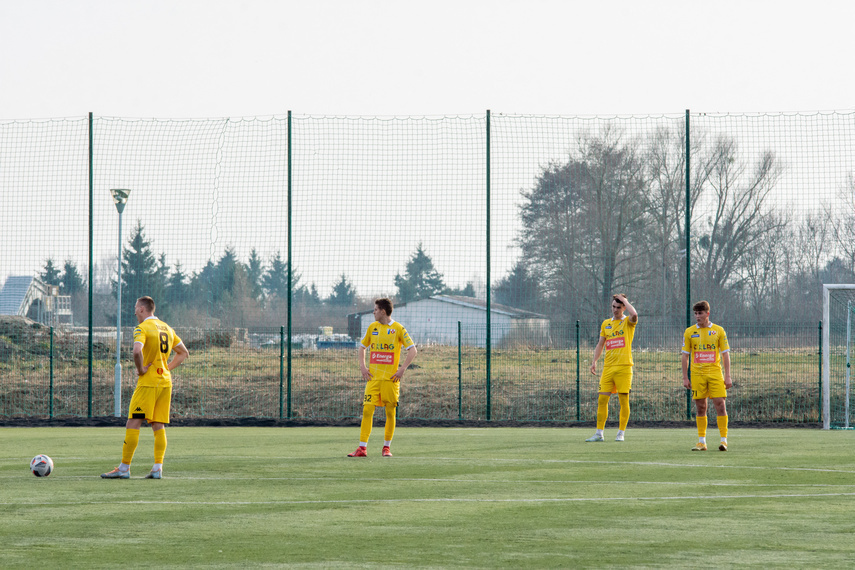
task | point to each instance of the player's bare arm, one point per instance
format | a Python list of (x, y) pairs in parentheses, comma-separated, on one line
[(629, 309), (597, 352), (684, 364), (399, 373), (366, 375), (181, 354), (725, 363)]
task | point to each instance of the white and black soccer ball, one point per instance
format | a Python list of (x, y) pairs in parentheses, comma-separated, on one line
[(41, 465)]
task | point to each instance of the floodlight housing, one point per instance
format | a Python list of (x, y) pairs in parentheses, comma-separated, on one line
[(120, 197)]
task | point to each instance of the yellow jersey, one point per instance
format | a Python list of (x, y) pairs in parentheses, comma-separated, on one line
[(384, 344), (157, 340), (618, 345), (705, 345)]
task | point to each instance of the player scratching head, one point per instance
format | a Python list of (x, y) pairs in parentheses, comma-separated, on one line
[(618, 305)]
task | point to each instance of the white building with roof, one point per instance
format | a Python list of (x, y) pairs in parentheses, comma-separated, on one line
[(26, 296), (434, 321)]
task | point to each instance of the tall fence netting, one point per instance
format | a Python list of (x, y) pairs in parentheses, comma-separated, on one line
[(545, 216)]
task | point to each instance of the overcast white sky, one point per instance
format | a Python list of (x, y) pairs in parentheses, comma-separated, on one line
[(216, 58)]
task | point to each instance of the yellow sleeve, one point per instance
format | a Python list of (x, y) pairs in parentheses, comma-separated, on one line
[(406, 341), (723, 344)]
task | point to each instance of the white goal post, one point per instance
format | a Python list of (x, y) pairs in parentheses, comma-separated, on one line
[(827, 354)]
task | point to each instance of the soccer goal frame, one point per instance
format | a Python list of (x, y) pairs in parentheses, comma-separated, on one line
[(826, 354)]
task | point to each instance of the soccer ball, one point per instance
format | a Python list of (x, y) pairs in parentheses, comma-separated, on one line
[(41, 465)]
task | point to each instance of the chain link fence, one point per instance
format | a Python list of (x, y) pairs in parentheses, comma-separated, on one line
[(264, 242)]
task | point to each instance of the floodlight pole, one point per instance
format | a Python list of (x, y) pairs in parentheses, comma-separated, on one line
[(120, 197)]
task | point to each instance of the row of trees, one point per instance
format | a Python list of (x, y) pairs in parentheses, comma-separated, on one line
[(611, 219), (230, 292)]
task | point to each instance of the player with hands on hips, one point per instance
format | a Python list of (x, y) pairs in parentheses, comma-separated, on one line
[(384, 341)]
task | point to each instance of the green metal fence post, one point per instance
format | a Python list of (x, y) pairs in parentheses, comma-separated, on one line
[(288, 391), (459, 372), (91, 268), (819, 391), (489, 307), (51, 374), (688, 253), (281, 369), (578, 361), (290, 266)]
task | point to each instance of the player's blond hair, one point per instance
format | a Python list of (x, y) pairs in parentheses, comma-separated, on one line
[(148, 303)]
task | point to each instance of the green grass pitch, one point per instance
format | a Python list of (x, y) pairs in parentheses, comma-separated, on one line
[(484, 498)]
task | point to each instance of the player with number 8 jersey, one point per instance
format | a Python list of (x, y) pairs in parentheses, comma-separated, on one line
[(157, 339), (154, 342)]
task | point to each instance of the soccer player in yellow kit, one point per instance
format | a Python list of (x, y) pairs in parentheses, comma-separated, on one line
[(384, 339), (707, 347), (154, 341), (616, 336)]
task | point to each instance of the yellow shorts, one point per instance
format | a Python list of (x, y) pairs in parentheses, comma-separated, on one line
[(151, 404), (616, 379), (382, 392), (708, 386)]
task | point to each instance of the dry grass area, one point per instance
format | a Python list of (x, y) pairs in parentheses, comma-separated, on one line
[(526, 384)]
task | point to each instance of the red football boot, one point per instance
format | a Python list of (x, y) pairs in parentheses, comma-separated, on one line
[(360, 452)]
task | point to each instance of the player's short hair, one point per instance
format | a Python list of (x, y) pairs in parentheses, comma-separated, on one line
[(701, 307), (147, 302), (385, 304), (615, 298)]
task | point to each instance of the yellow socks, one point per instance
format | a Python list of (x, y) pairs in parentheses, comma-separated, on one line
[(722, 426), (390, 423), (624, 411), (367, 422), (602, 410), (702, 425), (132, 439), (159, 445)]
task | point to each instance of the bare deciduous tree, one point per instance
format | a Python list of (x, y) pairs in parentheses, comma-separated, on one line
[(739, 219), (842, 216), (665, 204), (583, 221), (812, 243), (761, 275)]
